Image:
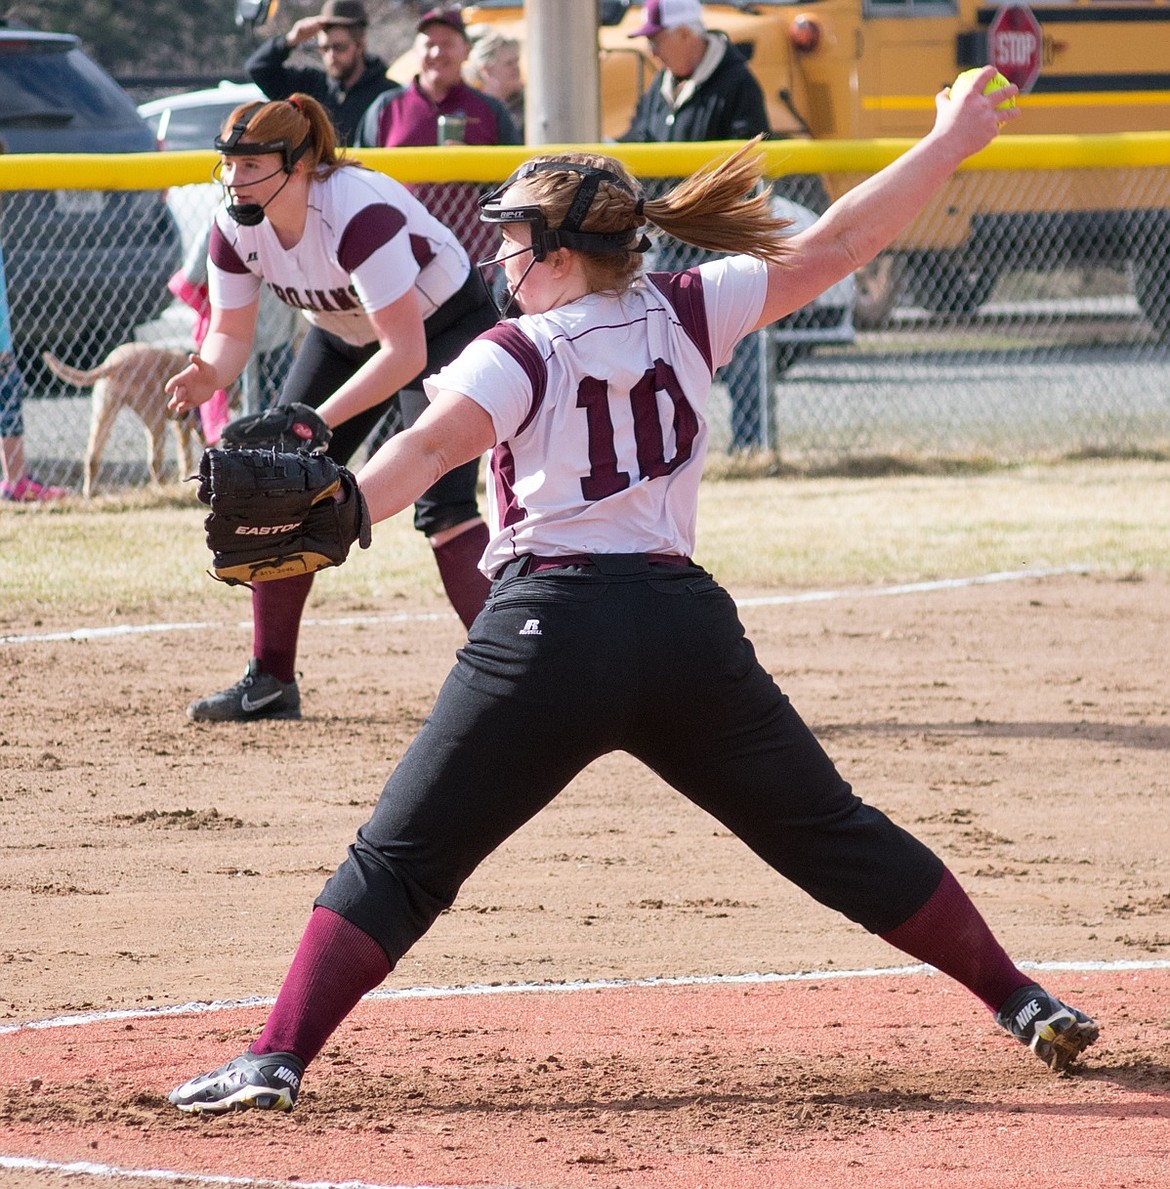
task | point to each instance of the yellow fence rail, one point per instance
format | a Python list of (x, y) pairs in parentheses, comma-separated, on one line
[(149, 171), (1025, 313)]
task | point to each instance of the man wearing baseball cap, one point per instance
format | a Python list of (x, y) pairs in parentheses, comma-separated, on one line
[(437, 92), (703, 91), (351, 78), (411, 116)]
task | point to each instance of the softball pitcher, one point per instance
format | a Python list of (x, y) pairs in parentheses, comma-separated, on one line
[(600, 632)]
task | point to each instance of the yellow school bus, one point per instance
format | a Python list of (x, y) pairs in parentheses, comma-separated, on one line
[(863, 69)]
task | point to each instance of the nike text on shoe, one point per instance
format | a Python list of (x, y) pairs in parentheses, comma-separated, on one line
[(1055, 1032), (268, 1082), (255, 695)]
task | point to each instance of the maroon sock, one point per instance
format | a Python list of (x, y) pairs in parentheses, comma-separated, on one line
[(949, 933), (458, 562), (277, 608), (335, 965)]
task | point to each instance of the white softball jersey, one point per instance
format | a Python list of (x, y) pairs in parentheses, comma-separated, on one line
[(600, 411), (366, 241)]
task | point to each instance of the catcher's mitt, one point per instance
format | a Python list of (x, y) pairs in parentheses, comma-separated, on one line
[(283, 427), (274, 515)]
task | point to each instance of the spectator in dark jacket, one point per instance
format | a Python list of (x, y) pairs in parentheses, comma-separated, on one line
[(438, 99), (351, 79), (703, 91)]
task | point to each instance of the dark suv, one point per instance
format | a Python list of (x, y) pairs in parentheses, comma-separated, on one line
[(84, 267)]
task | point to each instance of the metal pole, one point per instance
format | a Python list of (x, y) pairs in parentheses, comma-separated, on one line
[(769, 435), (562, 102)]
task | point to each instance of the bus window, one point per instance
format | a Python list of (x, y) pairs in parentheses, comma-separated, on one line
[(910, 8)]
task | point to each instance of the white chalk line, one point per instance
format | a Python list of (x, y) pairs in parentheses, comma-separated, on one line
[(484, 989), (147, 629), (779, 600), (869, 592), (109, 1171), (87, 1168)]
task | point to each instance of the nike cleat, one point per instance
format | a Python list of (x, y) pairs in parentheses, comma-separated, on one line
[(256, 695), (1055, 1032), (268, 1082)]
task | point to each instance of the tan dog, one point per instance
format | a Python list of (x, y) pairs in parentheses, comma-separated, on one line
[(132, 376)]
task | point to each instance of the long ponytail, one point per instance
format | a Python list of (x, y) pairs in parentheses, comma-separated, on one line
[(721, 207)]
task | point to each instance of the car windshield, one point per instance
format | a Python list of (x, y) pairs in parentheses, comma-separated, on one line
[(195, 127), (43, 86)]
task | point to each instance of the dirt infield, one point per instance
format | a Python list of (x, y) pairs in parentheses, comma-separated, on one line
[(1020, 727)]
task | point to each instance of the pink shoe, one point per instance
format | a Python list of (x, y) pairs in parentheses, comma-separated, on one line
[(28, 490)]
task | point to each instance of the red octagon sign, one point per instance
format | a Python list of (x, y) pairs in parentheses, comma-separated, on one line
[(1014, 45)]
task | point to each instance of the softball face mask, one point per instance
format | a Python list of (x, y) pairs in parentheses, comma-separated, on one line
[(547, 239), (249, 214)]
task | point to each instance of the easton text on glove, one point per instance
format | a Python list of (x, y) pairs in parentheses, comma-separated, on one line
[(274, 515)]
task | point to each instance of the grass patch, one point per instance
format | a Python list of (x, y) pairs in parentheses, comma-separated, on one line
[(140, 557)]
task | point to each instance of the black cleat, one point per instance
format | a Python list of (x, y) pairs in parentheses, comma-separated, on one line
[(256, 695), (1055, 1032), (268, 1082)]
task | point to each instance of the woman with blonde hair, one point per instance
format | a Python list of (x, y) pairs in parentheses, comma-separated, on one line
[(390, 296), (493, 66), (600, 633)]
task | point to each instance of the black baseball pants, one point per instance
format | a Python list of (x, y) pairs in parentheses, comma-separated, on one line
[(566, 665)]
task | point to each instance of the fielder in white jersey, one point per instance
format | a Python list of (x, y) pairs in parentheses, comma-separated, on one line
[(367, 240), (390, 296), (600, 633)]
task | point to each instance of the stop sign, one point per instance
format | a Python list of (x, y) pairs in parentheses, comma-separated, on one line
[(1014, 45)]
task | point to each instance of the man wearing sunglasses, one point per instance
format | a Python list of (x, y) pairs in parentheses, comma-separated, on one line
[(348, 80)]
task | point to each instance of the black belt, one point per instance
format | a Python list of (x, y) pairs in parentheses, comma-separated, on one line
[(613, 564)]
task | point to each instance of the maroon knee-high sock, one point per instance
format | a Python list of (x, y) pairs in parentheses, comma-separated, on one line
[(950, 934), (458, 562), (277, 608), (335, 965)]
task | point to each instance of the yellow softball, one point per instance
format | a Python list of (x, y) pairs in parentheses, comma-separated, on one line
[(967, 78)]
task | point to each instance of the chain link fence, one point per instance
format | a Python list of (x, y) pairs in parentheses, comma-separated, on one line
[(1028, 334)]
